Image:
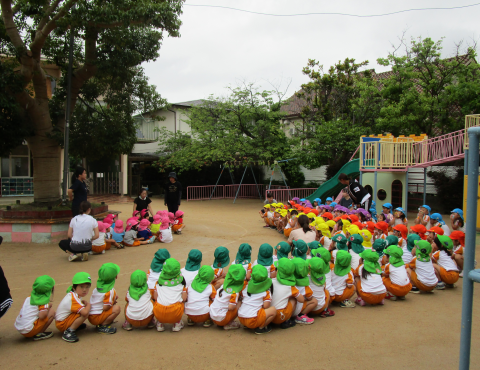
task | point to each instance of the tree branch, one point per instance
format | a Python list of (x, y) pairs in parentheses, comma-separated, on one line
[(48, 12), (10, 26)]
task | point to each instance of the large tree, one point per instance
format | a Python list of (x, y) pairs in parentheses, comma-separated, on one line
[(112, 39)]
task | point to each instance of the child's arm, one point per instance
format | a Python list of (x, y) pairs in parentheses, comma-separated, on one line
[(185, 294), (155, 295), (233, 302), (86, 308), (139, 239), (70, 232)]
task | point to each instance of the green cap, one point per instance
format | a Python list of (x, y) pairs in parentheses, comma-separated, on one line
[(170, 275), (234, 280), (106, 277), (343, 262), (370, 261), (244, 254), (42, 290), (259, 282), (314, 245), (285, 271), (446, 241), (325, 255), (301, 272), (222, 257), (392, 240), (317, 268), (138, 284), (423, 250), (194, 260), (340, 242), (159, 259), (378, 246), (300, 249), (356, 241), (204, 277), (80, 278), (411, 238), (283, 249), (265, 255), (395, 253)]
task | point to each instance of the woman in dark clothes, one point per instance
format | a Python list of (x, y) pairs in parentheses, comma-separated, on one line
[(143, 202), (5, 297), (78, 191), (173, 193)]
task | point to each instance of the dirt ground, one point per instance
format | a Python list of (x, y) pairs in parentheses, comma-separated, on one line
[(421, 332)]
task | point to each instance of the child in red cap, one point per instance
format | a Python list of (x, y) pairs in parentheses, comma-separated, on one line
[(381, 230), (420, 230), (433, 232), (458, 239)]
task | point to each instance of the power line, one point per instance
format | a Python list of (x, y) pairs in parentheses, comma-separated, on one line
[(332, 13)]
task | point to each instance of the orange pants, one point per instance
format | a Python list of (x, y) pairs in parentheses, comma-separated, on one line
[(287, 232), (369, 297), (254, 322), (37, 328), (347, 294), (231, 315), (137, 323), (284, 314), (108, 245), (168, 314), (100, 318), (199, 318), (99, 248), (327, 302), (136, 243), (397, 290), (65, 324), (448, 277), (176, 227), (420, 285)]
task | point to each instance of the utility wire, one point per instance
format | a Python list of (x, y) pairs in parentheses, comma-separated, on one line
[(333, 13)]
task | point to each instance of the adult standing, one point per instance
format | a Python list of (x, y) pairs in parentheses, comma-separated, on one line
[(142, 202), (5, 297), (78, 191), (359, 195), (173, 193)]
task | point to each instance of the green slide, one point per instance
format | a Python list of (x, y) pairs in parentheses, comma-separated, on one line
[(332, 187)]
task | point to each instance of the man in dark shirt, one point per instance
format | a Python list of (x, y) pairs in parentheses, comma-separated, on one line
[(173, 193), (78, 191), (357, 192)]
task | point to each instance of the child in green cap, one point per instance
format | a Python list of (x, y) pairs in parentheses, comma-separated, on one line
[(201, 294), (256, 311), (282, 250), (303, 285), (73, 310), (222, 260), (265, 258), (37, 313), (139, 308), (104, 308), (369, 283), (194, 261), (169, 296), (342, 279), (326, 256), (355, 247), (395, 276), (224, 308), (379, 246), (244, 258), (285, 296), (300, 249), (445, 267), (420, 270), (317, 285), (408, 248), (156, 268)]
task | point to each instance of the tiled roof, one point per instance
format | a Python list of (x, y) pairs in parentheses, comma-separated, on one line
[(191, 103)]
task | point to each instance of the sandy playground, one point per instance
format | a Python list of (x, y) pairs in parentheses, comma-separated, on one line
[(421, 332)]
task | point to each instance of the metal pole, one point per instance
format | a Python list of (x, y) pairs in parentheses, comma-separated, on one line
[(425, 185), (361, 177), (405, 191), (254, 178), (375, 188), (211, 195), (239, 186), (271, 176), (231, 176), (66, 164), (285, 182), (469, 251)]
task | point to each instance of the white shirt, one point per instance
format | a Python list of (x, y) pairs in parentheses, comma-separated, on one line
[(152, 278), (98, 300), (445, 261), (355, 259), (319, 293), (425, 272), (219, 307), (70, 304), (398, 275), (281, 294), (340, 282), (199, 303), (166, 235), (189, 276), (446, 230), (253, 303), (270, 268), (407, 255), (168, 295), (28, 315), (328, 283), (372, 284), (141, 309), (100, 240), (83, 226)]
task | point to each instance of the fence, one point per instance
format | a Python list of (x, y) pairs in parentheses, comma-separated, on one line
[(282, 195), (247, 191), (104, 183), (204, 192)]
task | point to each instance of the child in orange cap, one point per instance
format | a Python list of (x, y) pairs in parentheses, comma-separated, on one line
[(381, 230), (178, 225), (370, 288), (433, 232), (401, 232), (395, 276), (445, 267), (458, 239), (420, 230)]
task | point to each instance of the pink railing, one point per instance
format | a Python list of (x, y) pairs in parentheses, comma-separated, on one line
[(438, 149), (204, 192), (282, 195), (246, 191)]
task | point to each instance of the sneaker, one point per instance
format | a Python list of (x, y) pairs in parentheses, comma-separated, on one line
[(42, 336), (84, 256), (70, 336), (382, 302), (82, 326), (415, 290), (460, 274), (390, 296), (288, 324), (450, 285), (72, 257), (360, 301), (232, 325), (402, 298), (207, 323), (266, 227), (347, 304), (273, 227), (304, 319), (106, 329), (262, 331), (440, 285), (151, 324), (127, 326), (103, 252), (91, 252), (160, 326), (190, 322), (178, 326), (327, 313), (179, 232)]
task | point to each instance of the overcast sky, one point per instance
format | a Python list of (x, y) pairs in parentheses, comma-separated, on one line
[(222, 47)]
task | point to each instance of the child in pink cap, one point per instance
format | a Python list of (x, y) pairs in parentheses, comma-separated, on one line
[(165, 231), (118, 234), (136, 215), (144, 214), (178, 222), (155, 226), (98, 245), (143, 231), (171, 218), (130, 239)]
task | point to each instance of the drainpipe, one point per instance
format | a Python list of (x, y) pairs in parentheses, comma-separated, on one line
[(174, 121)]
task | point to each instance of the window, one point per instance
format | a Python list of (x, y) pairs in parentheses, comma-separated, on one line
[(381, 194), (18, 163), (19, 166)]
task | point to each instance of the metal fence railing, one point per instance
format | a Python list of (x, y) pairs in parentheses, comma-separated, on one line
[(245, 191), (283, 195)]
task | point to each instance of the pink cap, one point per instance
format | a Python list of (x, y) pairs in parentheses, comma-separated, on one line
[(118, 227), (157, 219), (135, 213), (144, 224), (143, 212), (179, 214), (131, 222), (165, 223), (171, 217), (101, 226)]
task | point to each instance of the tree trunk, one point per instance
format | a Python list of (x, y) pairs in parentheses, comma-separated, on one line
[(46, 168)]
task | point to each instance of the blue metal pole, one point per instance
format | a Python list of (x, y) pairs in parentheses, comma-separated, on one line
[(211, 195), (425, 185), (271, 176), (240, 186), (469, 251), (375, 188), (361, 177)]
